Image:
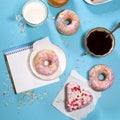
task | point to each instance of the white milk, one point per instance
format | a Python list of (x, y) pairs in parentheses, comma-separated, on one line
[(34, 12)]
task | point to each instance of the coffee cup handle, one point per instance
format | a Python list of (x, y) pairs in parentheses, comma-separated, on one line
[(86, 53)]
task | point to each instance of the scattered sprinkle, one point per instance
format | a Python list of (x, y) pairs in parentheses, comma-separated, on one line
[(52, 18), (30, 101), (18, 18), (4, 93), (21, 102), (6, 104), (22, 30), (19, 108), (45, 93), (5, 85), (21, 23)]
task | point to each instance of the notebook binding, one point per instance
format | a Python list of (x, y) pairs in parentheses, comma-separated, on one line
[(18, 50)]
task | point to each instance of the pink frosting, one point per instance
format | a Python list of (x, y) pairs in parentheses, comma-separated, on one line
[(72, 17), (98, 84), (48, 56), (76, 97)]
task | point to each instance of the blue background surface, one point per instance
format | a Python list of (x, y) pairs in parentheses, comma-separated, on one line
[(36, 104)]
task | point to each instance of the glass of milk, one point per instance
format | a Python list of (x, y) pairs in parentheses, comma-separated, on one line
[(34, 12)]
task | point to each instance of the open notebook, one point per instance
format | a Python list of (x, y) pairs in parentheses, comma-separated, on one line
[(20, 72)]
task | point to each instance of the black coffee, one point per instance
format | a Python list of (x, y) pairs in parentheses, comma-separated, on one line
[(98, 43)]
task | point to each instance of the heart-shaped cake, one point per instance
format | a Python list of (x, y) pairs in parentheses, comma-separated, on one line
[(76, 97)]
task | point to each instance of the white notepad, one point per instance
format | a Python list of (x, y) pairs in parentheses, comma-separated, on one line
[(21, 74)]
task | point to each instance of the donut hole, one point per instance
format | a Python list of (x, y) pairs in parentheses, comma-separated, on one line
[(47, 62), (101, 77), (68, 21)]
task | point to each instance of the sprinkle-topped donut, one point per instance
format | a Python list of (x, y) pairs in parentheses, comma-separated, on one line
[(95, 82), (76, 97), (46, 62), (67, 22)]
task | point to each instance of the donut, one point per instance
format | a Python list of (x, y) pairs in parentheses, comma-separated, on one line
[(67, 22), (46, 62), (94, 80), (76, 97), (57, 3)]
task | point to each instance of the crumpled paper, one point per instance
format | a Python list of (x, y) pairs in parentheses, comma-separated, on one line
[(80, 113)]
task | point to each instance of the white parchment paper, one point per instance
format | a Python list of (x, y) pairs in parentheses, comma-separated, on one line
[(80, 113)]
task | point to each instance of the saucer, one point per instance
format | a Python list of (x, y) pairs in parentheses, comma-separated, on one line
[(46, 44)]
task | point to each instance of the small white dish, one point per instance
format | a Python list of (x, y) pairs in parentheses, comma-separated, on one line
[(46, 44), (96, 2)]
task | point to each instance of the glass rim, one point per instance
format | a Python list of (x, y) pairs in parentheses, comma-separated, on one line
[(39, 1)]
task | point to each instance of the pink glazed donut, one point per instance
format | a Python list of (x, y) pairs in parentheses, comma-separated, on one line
[(73, 22), (46, 62), (95, 82)]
